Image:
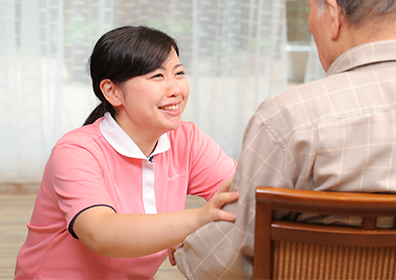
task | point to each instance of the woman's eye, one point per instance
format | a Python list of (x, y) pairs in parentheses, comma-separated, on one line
[(157, 76), (181, 73)]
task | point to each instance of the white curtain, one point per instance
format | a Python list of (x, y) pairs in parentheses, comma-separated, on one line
[(233, 52)]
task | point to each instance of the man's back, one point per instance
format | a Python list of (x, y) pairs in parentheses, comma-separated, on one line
[(338, 133)]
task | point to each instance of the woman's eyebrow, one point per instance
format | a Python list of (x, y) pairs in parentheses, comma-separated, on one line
[(174, 67)]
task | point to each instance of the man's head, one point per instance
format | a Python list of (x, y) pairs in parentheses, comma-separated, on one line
[(338, 25), (358, 12)]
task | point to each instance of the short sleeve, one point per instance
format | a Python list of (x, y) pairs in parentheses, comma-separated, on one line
[(77, 178)]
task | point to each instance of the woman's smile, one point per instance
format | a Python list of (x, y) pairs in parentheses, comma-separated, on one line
[(170, 108)]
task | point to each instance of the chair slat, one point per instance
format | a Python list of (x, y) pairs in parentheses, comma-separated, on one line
[(332, 234), (364, 204)]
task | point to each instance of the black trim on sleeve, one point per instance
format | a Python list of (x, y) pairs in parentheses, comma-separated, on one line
[(72, 222)]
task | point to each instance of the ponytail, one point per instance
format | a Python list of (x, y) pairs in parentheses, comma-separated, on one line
[(99, 112)]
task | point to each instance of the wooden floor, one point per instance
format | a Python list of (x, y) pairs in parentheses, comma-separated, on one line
[(16, 205)]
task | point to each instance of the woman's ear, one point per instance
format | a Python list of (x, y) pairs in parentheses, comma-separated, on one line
[(111, 92)]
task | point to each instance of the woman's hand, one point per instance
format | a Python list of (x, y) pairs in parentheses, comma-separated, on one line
[(171, 254), (212, 211)]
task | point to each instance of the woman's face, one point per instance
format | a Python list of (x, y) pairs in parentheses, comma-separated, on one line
[(153, 103)]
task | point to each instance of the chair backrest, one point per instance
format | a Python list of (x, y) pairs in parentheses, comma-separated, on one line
[(299, 250)]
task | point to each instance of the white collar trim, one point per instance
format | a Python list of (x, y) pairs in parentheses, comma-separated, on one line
[(123, 144)]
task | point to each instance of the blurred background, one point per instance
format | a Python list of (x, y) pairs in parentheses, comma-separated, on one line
[(236, 53)]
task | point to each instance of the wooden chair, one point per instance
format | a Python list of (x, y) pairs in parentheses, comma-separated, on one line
[(297, 250)]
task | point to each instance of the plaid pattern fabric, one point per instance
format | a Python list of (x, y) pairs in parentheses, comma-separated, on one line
[(336, 134)]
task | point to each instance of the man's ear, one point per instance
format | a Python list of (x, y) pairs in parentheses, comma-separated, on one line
[(337, 18), (111, 92)]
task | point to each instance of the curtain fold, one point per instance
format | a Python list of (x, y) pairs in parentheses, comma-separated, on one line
[(9, 92), (29, 117), (233, 52)]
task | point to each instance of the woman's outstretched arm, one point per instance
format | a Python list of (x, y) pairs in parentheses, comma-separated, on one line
[(134, 235)]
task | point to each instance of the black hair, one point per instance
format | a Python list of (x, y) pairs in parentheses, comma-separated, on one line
[(124, 53)]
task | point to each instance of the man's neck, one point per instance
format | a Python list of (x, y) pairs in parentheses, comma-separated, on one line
[(374, 30)]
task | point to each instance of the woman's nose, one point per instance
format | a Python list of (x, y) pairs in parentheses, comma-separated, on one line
[(173, 88)]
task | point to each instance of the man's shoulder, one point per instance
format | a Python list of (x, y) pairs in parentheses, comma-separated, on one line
[(305, 106), (294, 100)]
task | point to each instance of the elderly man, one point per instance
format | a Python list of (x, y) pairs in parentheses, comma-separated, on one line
[(335, 134)]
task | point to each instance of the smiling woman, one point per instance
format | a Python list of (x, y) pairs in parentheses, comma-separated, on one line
[(149, 105), (113, 192)]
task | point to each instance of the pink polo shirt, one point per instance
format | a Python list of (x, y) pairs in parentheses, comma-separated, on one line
[(99, 164)]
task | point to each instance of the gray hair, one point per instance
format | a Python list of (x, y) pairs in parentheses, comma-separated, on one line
[(359, 11)]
